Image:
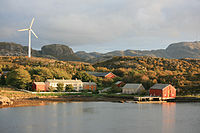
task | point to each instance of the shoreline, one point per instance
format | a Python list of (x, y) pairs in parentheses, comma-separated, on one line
[(40, 101), (45, 100)]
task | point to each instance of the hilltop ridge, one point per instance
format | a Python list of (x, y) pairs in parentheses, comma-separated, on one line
[(62, 52)]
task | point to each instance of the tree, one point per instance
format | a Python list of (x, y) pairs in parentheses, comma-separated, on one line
[(43, 72), (107, 82), (115, 89), (102, 69), (68, 88), (85, 77), (3, 80), (51, 89), (60, 87), (19, 78), (60, 73)]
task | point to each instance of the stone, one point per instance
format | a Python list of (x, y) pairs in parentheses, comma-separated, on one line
[(5, 101)]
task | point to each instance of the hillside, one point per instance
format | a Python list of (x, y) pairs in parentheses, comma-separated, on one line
[(184, 50), (182, 73), (53, 51), (176, 50)]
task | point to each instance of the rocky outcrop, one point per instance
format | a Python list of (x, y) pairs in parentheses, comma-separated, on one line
[(184, 50), (53, 51), (11, 49), (56, 50), (5, 101), (60, 52)]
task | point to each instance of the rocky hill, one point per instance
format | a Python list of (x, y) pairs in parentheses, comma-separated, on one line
[(184, 50), (63, 52), (176, 50), (54, 51)]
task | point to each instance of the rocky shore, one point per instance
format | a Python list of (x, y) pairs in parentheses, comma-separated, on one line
[(44, 100)]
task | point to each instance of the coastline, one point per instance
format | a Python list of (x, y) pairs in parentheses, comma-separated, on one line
[(40, 101), (45, 100)]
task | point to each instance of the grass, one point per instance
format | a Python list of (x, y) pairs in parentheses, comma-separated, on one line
[(6, 88), (13, 93)]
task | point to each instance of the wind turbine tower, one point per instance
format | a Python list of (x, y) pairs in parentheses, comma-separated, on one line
[(29, 37)]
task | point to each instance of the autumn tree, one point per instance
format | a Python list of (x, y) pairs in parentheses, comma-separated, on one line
[(107, 82), (43, 73), (60, 87), (102, 69), (2, 80), (69, 88), (60, 73), (19, 78), (85, 77)]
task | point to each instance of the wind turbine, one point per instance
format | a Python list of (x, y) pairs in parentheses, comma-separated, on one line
[(29, 39)]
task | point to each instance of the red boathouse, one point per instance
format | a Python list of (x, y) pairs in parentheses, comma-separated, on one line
[(165, 91)]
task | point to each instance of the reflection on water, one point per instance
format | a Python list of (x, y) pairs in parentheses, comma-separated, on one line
[(168, 117), (102, 117)]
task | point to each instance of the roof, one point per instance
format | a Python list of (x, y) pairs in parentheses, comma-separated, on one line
[(89, 83), (39, 83), (132, 86), (99, 74), (105, 89), (159, 86), (63, 81), (4, 72), (118, 82)]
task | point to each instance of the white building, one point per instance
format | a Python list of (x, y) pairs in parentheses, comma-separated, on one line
[(131, 88), (77, 84)]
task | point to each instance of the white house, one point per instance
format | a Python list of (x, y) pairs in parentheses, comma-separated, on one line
[(132, 88), (77, 84)]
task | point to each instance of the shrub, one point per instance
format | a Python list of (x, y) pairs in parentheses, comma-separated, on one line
[(68, 88), (60, 87)]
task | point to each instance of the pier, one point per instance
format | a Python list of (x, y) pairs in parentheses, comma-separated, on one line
[(147, 98)]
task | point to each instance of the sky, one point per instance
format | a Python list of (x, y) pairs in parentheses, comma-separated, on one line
[(101, 25)]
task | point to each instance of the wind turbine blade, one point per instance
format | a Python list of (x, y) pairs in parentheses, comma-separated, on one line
[(32, 23), (34, 33), (22, 29)]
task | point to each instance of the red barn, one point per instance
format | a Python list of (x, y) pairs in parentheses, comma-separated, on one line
[(38, 86), (166, 91)]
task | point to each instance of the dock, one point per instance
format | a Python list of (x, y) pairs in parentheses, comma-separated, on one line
[(147, 98)]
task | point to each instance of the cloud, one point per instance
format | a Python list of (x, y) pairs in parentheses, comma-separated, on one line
[(91, 23)]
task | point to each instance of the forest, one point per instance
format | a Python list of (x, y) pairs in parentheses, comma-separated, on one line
[(184, 74)]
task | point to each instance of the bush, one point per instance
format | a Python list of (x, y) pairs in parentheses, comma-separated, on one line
[(115, 89), (60, 87), (69, 88), (51, 89)]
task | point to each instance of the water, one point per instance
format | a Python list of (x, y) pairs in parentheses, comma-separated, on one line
[(102, 117)]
